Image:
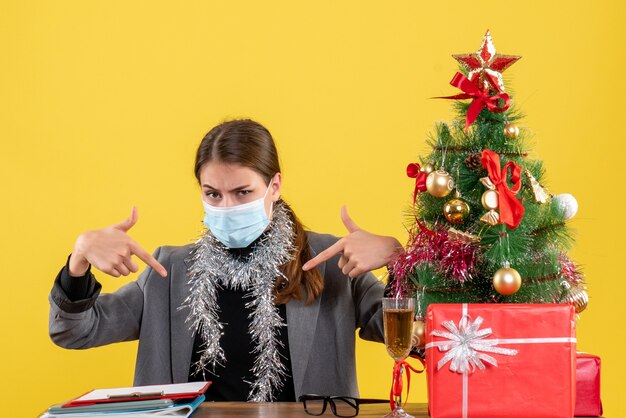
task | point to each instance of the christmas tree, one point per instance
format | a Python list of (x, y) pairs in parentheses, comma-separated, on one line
[(483, 228)]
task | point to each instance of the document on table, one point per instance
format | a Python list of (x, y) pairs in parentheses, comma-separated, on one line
[(170, 391), (180, 410)]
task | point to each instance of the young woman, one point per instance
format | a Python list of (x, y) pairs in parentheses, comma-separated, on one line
[(235, 307)]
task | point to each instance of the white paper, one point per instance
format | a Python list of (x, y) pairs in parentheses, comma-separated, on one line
[(173, 389)]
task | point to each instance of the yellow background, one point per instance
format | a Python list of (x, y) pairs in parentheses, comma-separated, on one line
[(102, 105)]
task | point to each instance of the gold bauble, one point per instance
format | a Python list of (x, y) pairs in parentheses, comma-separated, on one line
[(511, 131), (507, 281), (490, 200), (456, 210), (427, 168), (439, 183), (418, 340), (576, 296), (579, 299)]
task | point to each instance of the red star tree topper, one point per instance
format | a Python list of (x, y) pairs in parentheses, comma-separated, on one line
[(485, 67)]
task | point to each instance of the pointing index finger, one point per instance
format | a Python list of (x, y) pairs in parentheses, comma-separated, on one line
[(328, 253), (129, 222), (147, 258), (350, 225)]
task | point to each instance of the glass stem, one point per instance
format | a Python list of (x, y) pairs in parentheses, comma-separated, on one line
[(398, 398)]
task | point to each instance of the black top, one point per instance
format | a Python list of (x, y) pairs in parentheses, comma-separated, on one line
[(230, 382)]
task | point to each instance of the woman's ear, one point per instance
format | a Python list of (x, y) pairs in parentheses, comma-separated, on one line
[(277, 184)]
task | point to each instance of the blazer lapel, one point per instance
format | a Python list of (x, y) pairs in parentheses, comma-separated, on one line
[(181, 336), (301, 327)]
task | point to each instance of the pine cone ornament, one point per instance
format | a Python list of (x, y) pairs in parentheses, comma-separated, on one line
[(473, 162)]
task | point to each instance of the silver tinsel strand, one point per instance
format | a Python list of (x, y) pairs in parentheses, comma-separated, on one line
[(213, 267)]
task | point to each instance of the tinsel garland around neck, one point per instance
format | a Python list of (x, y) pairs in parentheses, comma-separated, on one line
[(212, 267)]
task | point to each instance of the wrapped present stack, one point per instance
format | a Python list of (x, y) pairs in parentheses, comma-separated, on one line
[(487, 258)]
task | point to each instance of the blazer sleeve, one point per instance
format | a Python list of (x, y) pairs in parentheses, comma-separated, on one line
[(367, 291), (99, 319)]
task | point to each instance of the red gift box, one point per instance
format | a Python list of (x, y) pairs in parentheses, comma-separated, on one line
[(500, 360), (588, 403)]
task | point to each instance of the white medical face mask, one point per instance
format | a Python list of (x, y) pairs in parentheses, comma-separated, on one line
[(237, 226)]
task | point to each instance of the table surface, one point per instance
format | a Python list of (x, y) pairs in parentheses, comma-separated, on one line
[(293, 409)]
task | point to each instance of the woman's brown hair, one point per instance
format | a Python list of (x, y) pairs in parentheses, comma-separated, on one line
[(248, 143)]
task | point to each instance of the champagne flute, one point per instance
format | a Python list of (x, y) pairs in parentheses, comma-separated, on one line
[(398, 323)]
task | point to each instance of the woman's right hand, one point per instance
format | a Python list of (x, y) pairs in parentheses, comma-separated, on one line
[(361, 251), (109, 250)]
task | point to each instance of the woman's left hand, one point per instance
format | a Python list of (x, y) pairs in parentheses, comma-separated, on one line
[(361, 251)]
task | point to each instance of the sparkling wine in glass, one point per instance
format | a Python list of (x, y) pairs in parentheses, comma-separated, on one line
[(398, 322)]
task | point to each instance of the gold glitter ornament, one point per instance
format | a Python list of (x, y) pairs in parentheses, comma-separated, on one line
[(507, 280), (511, 131), (539, 192), (491, 218), (439, 183), (427, 168), (575, 296), (455, 234), (418, 340), (456, 210)]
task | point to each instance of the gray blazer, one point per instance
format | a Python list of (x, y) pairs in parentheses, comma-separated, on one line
[(321, 335)]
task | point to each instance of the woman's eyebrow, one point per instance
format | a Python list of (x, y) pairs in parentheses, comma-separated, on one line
[(242, 187)]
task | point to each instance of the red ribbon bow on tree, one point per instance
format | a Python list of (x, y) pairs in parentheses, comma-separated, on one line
[(396, 383), (511, 209), (413, 171), (481, 98)]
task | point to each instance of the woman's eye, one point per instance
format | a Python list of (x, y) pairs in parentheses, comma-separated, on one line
[(213, 195), (243, 192)]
